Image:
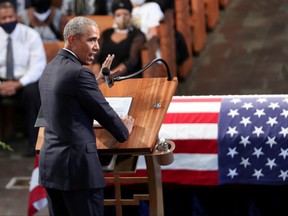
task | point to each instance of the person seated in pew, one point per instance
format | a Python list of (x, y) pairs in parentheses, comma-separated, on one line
[(147, 16), (48, 20), (85, 7), (22, 61), (123, 40)]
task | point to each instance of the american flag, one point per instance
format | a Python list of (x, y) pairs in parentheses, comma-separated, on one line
[(226, 140), (219, 140), (191, 123), (37, 196), (253, 140)]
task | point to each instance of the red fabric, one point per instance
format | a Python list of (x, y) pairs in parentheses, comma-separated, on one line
[(37, 197)]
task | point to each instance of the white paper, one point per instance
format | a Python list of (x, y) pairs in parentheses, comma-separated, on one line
[(121, 105)]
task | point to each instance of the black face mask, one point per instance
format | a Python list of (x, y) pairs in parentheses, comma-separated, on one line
[(9, 27)]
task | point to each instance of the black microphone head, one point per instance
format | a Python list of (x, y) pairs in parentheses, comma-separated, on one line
[(106, 71)]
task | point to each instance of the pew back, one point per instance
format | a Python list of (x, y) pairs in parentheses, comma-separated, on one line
[(52, 48), (104, 21)]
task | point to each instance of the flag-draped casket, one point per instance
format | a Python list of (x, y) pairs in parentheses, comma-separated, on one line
[(227, 140), (219, 140)]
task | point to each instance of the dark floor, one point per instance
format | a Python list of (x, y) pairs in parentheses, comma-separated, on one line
[(246, 53)]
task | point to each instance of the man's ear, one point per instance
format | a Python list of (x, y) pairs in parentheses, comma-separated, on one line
[(71, 39)]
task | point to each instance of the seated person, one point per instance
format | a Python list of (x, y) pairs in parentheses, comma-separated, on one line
[(21, 65), (147, 16), (123, 40), (84, 7), (48, 20)]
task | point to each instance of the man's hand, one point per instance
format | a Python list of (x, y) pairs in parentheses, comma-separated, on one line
[(129, 122), (107, 63), (9, 88)]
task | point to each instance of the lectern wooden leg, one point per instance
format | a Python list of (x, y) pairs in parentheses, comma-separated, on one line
[(153, 180), (118, 203), (154, 186)]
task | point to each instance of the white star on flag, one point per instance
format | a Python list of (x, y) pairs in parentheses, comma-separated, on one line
[(255, 141)]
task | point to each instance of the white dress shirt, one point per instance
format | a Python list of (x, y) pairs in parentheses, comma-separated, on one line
[(28, 52)]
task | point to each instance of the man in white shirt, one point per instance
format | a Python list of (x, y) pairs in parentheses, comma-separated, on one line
[(29, 59)]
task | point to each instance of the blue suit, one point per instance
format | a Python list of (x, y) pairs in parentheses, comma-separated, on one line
[(71, 100)]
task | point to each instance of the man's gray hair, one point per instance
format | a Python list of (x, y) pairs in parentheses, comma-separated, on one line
[(77, 26)]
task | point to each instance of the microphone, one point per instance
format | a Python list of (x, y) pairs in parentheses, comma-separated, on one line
[(169, 76), (108, 79)]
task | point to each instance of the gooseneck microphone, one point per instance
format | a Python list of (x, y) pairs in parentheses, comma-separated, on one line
[(108, 79), (169, 76)]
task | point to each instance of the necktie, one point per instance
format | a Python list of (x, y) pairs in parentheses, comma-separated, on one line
[(9, 60)]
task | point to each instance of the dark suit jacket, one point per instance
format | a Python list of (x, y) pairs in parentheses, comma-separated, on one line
[(71, 100)]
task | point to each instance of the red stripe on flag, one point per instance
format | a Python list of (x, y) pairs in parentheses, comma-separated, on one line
[(195, 99), (196, 146), (186, 177), (37, 194), (183, 177), (190, 118)]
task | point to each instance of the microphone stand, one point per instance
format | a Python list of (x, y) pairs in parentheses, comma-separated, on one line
[(169, 76)]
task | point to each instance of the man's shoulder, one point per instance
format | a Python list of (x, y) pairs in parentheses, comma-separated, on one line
[(68, 60)]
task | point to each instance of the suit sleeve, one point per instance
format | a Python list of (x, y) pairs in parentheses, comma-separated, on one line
[(97, 107)]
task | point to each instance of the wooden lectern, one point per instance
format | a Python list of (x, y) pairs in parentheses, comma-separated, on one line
[(151, 99)]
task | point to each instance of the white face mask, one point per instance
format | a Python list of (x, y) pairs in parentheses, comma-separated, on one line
[(122, 23), (42, 16), (138, 2)]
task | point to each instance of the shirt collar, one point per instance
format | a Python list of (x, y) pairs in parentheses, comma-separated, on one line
[(71, 52)]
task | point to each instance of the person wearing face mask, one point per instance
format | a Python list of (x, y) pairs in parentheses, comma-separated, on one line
[(22, 61), (123, 40), (48, 20)]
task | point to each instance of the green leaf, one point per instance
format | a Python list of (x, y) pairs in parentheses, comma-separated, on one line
[(6, 146)]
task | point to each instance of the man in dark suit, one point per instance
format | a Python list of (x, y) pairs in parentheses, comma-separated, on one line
[(69, 165)]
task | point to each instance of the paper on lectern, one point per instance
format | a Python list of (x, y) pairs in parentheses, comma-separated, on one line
[(121, 105)]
